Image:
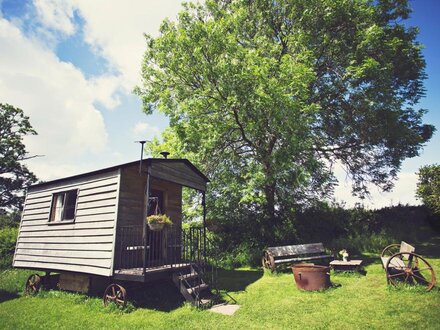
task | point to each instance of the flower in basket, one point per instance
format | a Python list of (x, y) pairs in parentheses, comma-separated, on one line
[(344, 254), (158, 221)]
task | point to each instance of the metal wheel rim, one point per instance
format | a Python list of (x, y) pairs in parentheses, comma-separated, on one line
[(115, 293), (411, 273), (389, 250)]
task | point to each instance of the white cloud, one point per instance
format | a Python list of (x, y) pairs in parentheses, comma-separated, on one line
[(402, 193), (60, 101), (104, 89), (55, 95), (115, 30), (57, 15), (143, 130)]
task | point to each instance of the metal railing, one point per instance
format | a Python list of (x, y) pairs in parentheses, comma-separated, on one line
[(169, 247)]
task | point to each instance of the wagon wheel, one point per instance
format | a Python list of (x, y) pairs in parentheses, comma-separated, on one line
[(115, 293), (33, 284), (269, 261), (409, 268), (390, 250), (265, 261)]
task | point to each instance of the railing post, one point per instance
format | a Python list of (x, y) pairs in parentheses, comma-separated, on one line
[(145, 208), (204, 226)]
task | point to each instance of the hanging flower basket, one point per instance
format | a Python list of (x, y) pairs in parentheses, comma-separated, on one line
[(156, 226), (158, 221)]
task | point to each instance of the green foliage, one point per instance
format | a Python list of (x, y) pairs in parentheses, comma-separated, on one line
[(266, 96), (8, 239), (9, 219), (358, 230), (14, 125), (243, 255), (428, 187)]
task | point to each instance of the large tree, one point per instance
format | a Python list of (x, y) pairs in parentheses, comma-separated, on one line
[(428, 187), (267, 96), (15, 176)]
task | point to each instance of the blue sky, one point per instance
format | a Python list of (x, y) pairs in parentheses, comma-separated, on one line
[(71, 65)]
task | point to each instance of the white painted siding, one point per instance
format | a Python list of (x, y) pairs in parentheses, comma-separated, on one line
[(87, 244)]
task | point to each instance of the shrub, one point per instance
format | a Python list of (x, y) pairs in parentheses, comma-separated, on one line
[(358, 230), (9, 219), (8, 239), (428, 187)]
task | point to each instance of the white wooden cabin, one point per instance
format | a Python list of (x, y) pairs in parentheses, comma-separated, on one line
[(94, 223)]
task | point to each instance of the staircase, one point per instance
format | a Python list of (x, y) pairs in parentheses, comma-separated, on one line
[(192, 286)]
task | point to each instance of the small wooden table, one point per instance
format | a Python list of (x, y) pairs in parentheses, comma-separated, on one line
[(346, 266)]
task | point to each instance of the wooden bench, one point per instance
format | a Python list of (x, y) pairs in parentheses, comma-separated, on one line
[(274, 256), (404, 248), (402, 265)]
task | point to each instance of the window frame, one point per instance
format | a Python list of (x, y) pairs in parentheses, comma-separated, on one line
[(52, 205)]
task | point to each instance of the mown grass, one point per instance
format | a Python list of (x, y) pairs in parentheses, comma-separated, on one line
[(268, 301)]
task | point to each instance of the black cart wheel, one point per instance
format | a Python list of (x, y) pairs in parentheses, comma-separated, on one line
[(115, 293), (33, 284), (409, 268)]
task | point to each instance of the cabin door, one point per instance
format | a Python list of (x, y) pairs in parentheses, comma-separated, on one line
[(156, 239)]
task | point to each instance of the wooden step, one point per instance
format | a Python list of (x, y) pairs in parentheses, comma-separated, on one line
[(188, 276), (198, 288), (208, 300), (206, 303)]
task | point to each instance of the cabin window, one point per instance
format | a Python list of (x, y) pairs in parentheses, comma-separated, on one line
[(63, 206)]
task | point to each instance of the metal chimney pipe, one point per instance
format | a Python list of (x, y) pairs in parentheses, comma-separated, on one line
[(142, 155), (165, 154)]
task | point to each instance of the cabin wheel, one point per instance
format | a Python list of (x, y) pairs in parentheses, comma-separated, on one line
[(115, 293), (33, 284)]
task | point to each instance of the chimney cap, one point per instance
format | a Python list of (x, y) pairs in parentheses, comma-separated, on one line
[(165, 154)]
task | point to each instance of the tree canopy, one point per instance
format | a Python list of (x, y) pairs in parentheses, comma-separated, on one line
[(15, 176), (428, 187), (267, 96)]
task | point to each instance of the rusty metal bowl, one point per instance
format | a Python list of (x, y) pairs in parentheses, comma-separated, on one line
[(311, 277)]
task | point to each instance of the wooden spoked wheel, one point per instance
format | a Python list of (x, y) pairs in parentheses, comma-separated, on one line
[(264, 261), (115, 293), (390, 250), (33, 284), (268, 261), (409, 268)]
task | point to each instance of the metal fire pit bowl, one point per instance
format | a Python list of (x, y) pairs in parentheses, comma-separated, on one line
[(311, 277)]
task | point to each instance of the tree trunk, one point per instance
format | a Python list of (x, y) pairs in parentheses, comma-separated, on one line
[(269, 190)]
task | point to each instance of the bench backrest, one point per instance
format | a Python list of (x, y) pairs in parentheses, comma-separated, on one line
[(292, 250), (405, 247)]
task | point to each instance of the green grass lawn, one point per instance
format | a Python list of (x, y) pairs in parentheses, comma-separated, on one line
[(268, 301)]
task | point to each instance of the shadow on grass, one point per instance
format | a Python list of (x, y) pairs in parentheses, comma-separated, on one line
[(237, 280), (6, 295), (369, 260), (161, 295)]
